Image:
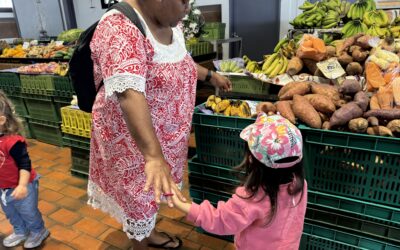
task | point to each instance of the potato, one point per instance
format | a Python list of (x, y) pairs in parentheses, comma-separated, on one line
[(344, 59), (358, 125), (394, 126), (300, 88), (331, 51), (373, 121), (346, 113), (321, 103), (303, 110), (354, 69), (350, 87), (362, 100), (284, 108), (266, 107), (379, 130), (326, 90), (381, 114)]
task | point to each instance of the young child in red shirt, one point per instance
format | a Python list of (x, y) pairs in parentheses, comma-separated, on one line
[(18, 182)]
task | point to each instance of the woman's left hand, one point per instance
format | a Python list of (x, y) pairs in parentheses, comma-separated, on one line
[(221, 82)]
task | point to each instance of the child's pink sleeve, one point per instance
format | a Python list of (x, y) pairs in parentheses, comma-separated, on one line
[(228, 218)]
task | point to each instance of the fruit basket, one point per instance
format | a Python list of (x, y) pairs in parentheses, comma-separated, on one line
[(199, 48), (10, 83), (352, 165), (37, 84)]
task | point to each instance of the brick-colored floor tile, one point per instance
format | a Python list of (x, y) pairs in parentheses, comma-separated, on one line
[(5, 227), (111, 222), (90, 226), (44, 163), (51, 244), (116, 238), (70, 203), (46, 208), (50, 195), (63, 234), (76, 182), (58, 176), (48, 222), (88, 243), (173, 227), (89, 212), (2, 215), (230, 246), (171, 213), (206, 240), (189, 245), (49, 156), (64, 168), (54, 185), (207, 248), (42, 171), (73, 192), (65, 216)]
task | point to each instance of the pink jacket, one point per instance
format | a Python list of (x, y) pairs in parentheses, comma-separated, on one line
[(246, 220)]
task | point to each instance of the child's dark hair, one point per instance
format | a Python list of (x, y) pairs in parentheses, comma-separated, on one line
[(257, 176), (13, 124)]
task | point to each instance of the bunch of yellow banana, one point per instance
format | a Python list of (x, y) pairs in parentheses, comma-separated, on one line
[(230, 66), (331, 19), (344, 8), (228, 107), (275, 64), (358, 9), (395, 31), (287, 46), (251, 66), (354, 27), (376, 17), (375, 30)]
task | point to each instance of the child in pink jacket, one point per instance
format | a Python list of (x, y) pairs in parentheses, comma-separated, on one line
[(267, 211)]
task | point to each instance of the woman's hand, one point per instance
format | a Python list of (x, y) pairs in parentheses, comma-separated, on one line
[(158, 175), (221, 82), (20, 192)]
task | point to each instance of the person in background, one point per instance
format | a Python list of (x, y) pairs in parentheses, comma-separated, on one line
[(18, 182), (267, 211), (141, 117)]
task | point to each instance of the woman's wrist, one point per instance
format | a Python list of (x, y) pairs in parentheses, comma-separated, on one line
[(209, 75)]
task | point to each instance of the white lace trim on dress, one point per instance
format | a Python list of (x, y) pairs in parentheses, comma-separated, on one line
[(121, 82), (135, 229)]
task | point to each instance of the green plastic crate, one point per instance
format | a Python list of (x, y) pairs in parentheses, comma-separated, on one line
[(353, 165), (80, 161), (317, 237), (19, 105), (199, 48), (42, 107), (28, 133), (10, 83), (74, 141), (217, 172), (338, 219), (63, 86), (46, 131), (358, 208), (214, 31), (217, 138), (199, 194), (37, 84), (212, 184)]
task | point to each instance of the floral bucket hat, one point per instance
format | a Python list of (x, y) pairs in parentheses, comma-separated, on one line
[(272, 138)]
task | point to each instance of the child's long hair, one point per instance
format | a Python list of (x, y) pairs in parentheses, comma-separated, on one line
[(257, 176), (13, 124)]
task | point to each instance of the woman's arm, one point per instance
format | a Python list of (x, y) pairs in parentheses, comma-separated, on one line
[(217, 80), (138, 119)]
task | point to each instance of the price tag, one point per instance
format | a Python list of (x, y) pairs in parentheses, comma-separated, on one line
[(59, 43), (331, 68), (25, 45)]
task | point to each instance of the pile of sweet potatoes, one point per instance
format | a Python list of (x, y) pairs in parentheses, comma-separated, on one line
[(345, 108)]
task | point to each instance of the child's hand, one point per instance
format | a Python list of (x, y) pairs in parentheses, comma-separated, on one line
[(183, 206), (20, 192)]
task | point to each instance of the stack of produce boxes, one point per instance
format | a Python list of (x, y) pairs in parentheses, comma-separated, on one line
[(76, 126)]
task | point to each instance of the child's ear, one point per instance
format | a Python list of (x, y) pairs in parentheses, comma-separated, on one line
[(3, 120)]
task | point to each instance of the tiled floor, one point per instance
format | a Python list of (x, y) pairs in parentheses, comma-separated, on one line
[(75, 225)]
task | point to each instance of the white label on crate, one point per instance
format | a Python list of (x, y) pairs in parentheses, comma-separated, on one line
[(25, 45)]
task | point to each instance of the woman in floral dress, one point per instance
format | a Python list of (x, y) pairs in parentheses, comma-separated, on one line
[(142, 115)]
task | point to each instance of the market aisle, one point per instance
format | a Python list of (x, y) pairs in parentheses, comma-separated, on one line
[(74, 225)]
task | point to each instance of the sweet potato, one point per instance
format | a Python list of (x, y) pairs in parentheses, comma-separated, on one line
[(373, 121), (311, 65), (284, 108), (363, 41), (379, 130), (384, 114), (374, 75), (300, 88), (326, 125), (358, 125), (394, 126), (303, 110), (345, 59), (350, 87), (374, 103), (385, 97), (326, 90), (358, 54), (362, 100), (265, 107), (324, 117), (295, 66), (354, 69), (348, 42), (340, 103), (321, 103), (346, 113)]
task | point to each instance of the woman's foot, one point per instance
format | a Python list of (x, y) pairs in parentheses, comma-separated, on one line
[(163, 240)]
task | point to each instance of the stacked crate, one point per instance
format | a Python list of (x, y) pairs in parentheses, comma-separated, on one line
[(76, 126)]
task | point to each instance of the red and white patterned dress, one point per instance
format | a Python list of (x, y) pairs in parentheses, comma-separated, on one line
[(166, 75)]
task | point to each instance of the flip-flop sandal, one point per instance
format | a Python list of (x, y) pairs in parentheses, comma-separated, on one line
[(163, 245)]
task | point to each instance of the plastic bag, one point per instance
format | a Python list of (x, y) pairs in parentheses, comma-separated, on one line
[(312, 48)]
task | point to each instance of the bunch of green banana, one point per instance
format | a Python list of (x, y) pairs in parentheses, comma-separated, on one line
[(310, 18), (395, 31), (275, 64), (328, 38), (307, 6), (287, 46), (344, 8), (396, 21), (375, 30), (332, 4), (354, 27), (331, 19), (358, 9), (376, 17), (230, 66)]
